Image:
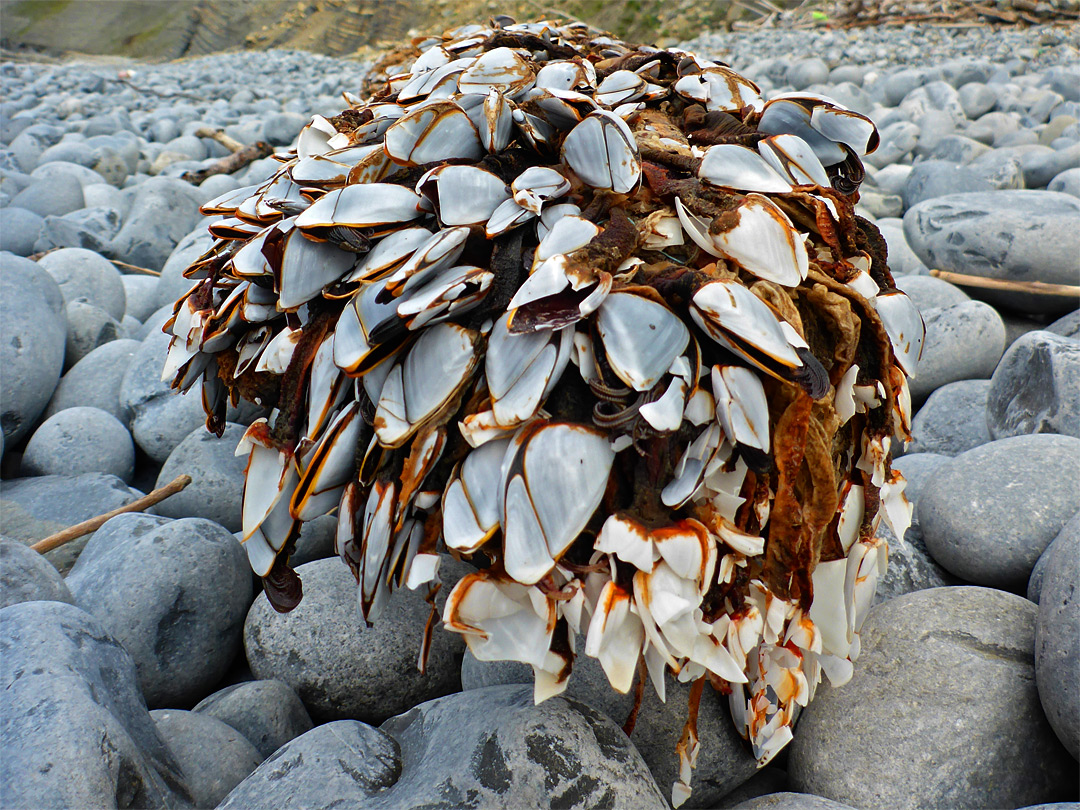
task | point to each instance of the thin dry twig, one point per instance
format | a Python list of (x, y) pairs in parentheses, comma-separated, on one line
[(1032, 287), (93, 524), (135, 268)]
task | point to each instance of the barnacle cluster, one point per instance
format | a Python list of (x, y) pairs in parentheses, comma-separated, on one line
[(597, 317)]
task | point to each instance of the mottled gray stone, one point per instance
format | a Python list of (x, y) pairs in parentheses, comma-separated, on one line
[(31, 509), (792, 801), (140, 293), (316, 541), (268, 713), (281, 129), (174, 592), (952, 420), (958, 149), (723, 761), (32, 335), (80, 440), (1036, 387), (929, 292), (25, 576), (1038, 573), (163, 211), (217, 477), (1067, 325), (51, 171), (94, 381), (977, 99), (340, 668), (171, 282), (916, 468), (88, 328), (1057, 639), (911, 568), (84, 275), (1017, 235), (956, 665), (988, 514), (767, 780), (1067, 182), (19, 229), (76, 731), (963, 342), (933, 179), (52, 197), (160, 418), (898, 139), (213, 756)]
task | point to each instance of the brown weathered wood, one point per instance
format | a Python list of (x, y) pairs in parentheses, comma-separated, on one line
[(230, 163), (1032, 287), (135, 268), (93, 524)]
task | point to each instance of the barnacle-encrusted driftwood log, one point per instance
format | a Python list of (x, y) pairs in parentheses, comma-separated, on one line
[(597, 317)]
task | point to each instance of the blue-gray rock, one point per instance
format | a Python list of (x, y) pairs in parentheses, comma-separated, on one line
[(76, 731), (993, 127), (213, 756), (174, 592), (33, 331), (767, 780), (723, 761), (933, 126), (86, 229), (902, 259), (911, 568), (25, 576), (77, 152), (958, 149), (217, 477), (1036, 387), (95, 380), (916, 468), (806, 72), (934, 97), (140, 295), (281, 129), (31, 509), (56, 197), (989, 513), (88, 327), (163, 211), (956, 664), (316, 541), (1057, 638), (899, 84), (977, 99), (19, 229), (963, 342), (171, 282), (489, 748), (1071, 532), (932, 179), (27, 147), (952, 420), (215, 185), (1066, 182), (1017, 235), (103, 195), (268, 713), (159, 417), (51, 172), (80, 440), (1036, 161), (83, 274), (1067, 325), (340, 668), (188, 145), (929, 292), (1043, 167), (791, 801)]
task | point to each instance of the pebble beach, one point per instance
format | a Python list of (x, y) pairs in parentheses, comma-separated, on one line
[(142, 666)]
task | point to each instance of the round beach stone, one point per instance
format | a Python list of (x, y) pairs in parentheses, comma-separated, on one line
[(911, 568), (932, 179), (217, 477), (963, 342), (54, 197), (33, 331), (723, 761), (163, 211), (174, 592), (83, 274), (26, 576), (952, 420), (214, 756), (76, 730), (1013, 235), (916, 468), (902, 260), (929, 292), (171, 283), (1067, 182), (88, 327), (95, 380), (340, 668), (80, 440), (19, 229), (1036, 387), (268, 713), (486, 748), (140, 293), (1035, 581), (160, 418), (988, 514), (1057, 639), (791, 801), (942, 711)]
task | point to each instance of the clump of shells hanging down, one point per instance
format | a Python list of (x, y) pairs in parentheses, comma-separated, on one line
[(598, 318)]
